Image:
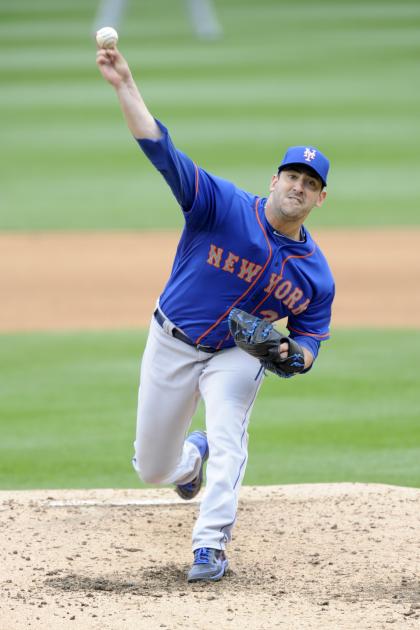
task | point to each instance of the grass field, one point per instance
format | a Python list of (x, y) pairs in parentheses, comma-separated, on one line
[(340, 75), (70, 421)]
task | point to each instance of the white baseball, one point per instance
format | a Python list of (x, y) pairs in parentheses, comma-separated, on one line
[(107, 37)]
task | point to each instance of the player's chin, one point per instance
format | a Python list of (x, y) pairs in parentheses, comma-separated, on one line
[(293, 210)]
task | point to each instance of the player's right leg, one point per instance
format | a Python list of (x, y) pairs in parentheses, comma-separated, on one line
[(168, 397)]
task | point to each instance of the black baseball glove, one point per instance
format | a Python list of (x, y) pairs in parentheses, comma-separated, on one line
[(260, 339)]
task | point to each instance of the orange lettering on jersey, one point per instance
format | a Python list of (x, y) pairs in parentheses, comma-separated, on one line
[(302, 307), (283, 289), (248, 270), (293, 297), (230, 262), (275, 277), (215, 256), (270, 316)]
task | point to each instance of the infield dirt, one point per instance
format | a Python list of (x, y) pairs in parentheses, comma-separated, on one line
[(64, 281), (341, 556)]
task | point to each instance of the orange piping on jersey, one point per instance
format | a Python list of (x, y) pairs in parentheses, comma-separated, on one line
[(300, 332), (281, 277), (251, 286), (219, 345)]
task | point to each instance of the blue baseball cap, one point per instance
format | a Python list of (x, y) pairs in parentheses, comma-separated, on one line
[(309, 156)]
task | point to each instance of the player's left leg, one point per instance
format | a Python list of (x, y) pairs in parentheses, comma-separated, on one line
[(228, 385)]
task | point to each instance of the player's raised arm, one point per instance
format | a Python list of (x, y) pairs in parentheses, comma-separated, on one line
[(115, 69)]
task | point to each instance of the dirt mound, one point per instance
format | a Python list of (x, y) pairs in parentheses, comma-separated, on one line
[(340, 556)]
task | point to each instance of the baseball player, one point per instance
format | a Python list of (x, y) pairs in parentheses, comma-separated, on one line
[(242, 262)]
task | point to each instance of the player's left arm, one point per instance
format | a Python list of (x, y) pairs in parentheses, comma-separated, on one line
[(277, 353), (309, 358), (310, 328), (295, 354)]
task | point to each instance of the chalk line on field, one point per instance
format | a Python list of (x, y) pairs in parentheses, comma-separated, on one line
[(126, 503), (114, 497)]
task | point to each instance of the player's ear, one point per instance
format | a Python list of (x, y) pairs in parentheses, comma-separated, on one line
[(274, 181), (321, 198)]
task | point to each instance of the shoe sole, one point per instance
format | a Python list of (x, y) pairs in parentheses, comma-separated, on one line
[(213, 578), (192, 495), (188, 497)]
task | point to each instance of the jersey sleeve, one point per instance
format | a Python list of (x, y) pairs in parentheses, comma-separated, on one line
[(204, 198), (312, 326), (178, 170)]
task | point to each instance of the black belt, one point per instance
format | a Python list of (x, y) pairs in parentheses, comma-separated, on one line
[(160, 318)]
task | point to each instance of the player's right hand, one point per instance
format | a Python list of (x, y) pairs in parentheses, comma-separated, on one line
[(113, 66)]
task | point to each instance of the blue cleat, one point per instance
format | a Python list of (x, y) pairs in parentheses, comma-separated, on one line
[(209, 565), (189, 490)]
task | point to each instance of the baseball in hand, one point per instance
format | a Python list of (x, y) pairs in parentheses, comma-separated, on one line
[(107, 37)]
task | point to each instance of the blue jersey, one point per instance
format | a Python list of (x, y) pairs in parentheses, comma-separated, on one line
[(230, 256)]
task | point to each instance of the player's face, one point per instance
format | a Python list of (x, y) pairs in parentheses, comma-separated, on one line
[(294, 193)]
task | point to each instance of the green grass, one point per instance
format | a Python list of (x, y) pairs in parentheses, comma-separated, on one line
[(340, 75), (68, 406)]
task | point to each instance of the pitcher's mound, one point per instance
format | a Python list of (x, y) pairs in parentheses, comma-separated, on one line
[(339, 556)]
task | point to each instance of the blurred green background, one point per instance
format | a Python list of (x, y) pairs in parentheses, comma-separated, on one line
[(339, 75), (70, 403)]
